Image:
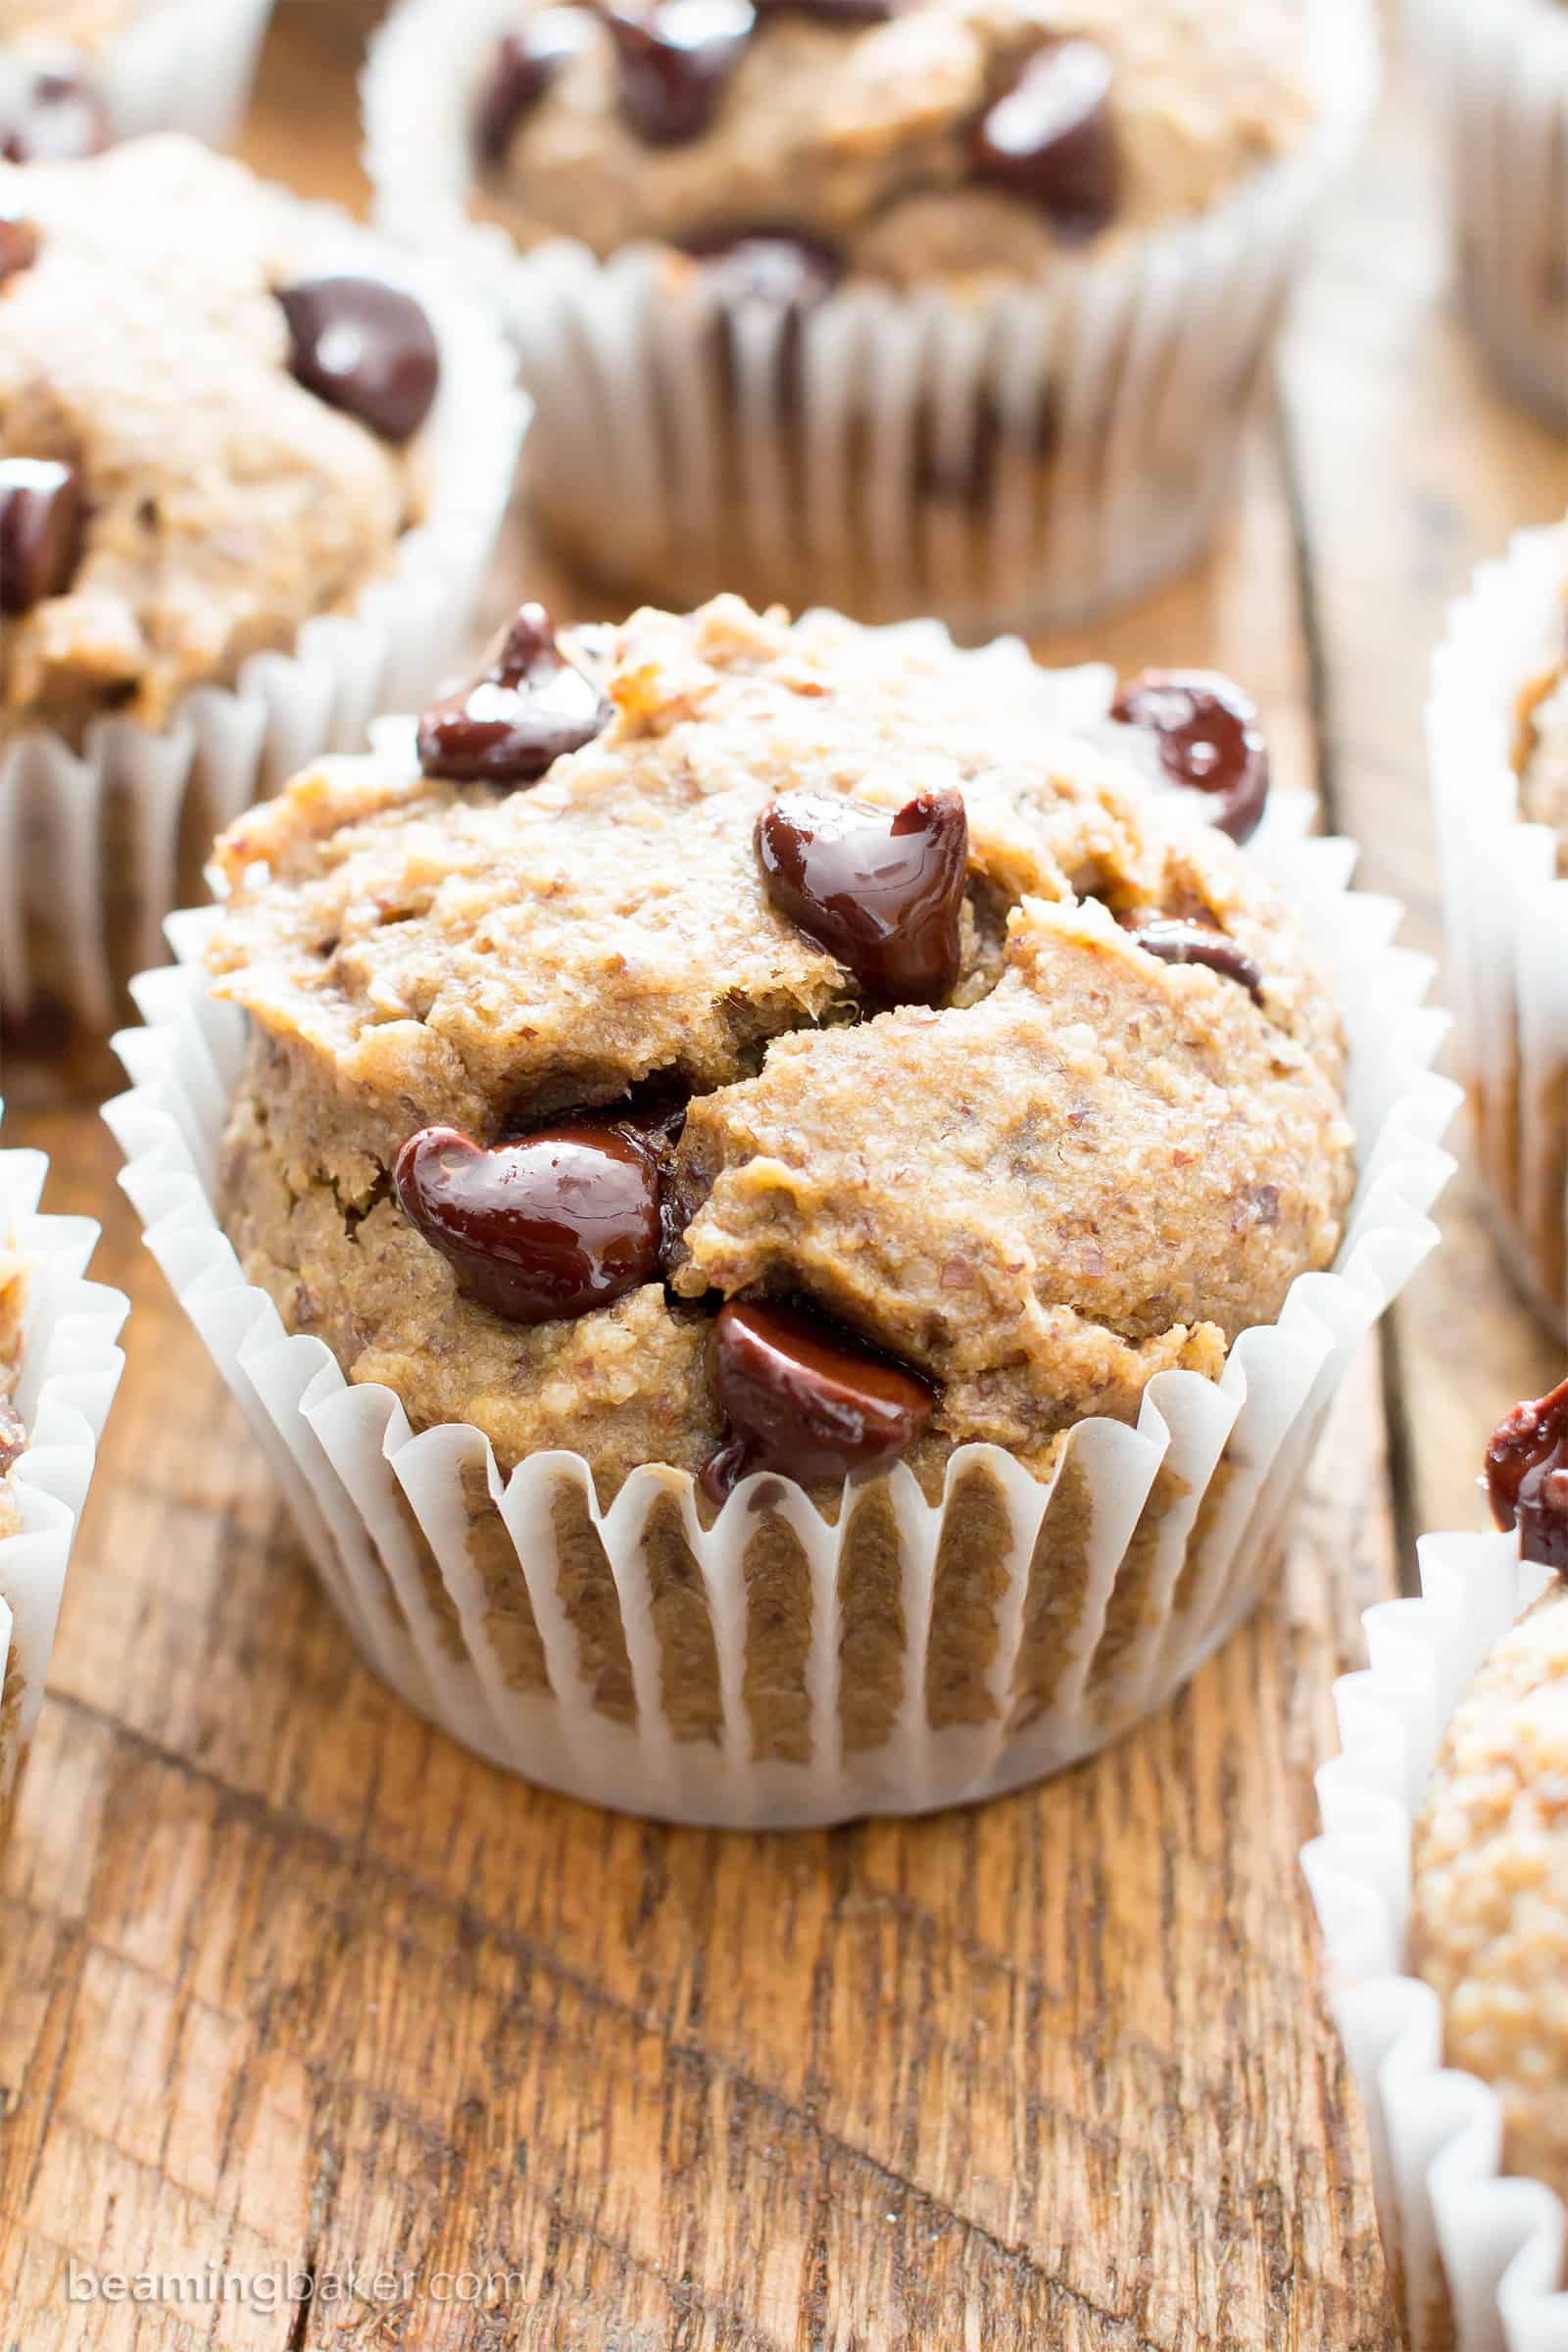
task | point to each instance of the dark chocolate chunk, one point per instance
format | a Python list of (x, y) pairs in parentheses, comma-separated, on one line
[(1209, 740), (525, 65), (555, 1225), (1175, 942), (52, 117), (18, 243), (41, 522), (364, 347), (527, 708), (805, 1399), (1527, 1477), (675, 61), (1051, 140), (881, 892)]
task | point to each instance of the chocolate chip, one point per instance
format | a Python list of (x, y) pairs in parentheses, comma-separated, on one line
[(1176, 942), (882, 893), (363, 347), (525, 65), (806, 1399), (1527, 1477), (1209, 740), (13, 1438), (675, 61), (527, 708), (1051, 140), (832, 12), (55, 118), (18, 244), (42, 523), (553, 1226)]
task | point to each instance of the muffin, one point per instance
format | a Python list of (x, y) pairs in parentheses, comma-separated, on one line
[(1497, 756), (1499, 79), (59, 1369), (810, 1136), (956, 307), (1442, 1883), (216, 443), (76, 74)]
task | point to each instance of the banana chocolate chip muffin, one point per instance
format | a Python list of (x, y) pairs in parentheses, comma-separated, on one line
[(1489, 1893), (905, 304), (204, 440), (955, 140), (754, 1047)]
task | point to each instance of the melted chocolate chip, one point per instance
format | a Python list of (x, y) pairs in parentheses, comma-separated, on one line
[(1176, 942), (1527, 1477), (882, 893), (1209, 740), (41, 522), (13, 1438), (527, 708), (54, 118), (1052, 141), (363, 347), (559, 1223), (18, 244), (675, 61), (805, 1399), (527, 64), (832, 12)]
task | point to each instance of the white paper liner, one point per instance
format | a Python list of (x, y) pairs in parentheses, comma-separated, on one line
[(1134, 371), (1480, 2256), (69, 1371), (1506, 912), (384, 1515), (90, 843), (1498, 72), (184, 64)]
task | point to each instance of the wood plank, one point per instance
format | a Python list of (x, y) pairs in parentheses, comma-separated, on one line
[(288, 1981)]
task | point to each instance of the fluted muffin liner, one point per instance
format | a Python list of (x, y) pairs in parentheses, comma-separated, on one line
[(1504, 907), (99, 847), (1477, 2256), (773, 1668), (1498, 75), (66, 1375), (184, 64), (1103, 414)]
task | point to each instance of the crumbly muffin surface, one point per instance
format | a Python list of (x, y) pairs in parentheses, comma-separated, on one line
[(1086, 1165), (225, 504), (1490, 1910), (861, 136)]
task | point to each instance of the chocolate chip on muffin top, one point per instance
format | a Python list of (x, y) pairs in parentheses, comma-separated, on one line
[(821, 978), (206, 441), (929, 139)]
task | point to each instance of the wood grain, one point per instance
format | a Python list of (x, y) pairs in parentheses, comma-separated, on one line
[(289, 1983)]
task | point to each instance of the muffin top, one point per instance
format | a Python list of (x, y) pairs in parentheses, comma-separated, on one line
[(796, 967), (948, 138), (1489, 1893), (204, 440)]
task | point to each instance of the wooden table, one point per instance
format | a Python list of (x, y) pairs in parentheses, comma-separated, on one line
[(289, 1983)]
